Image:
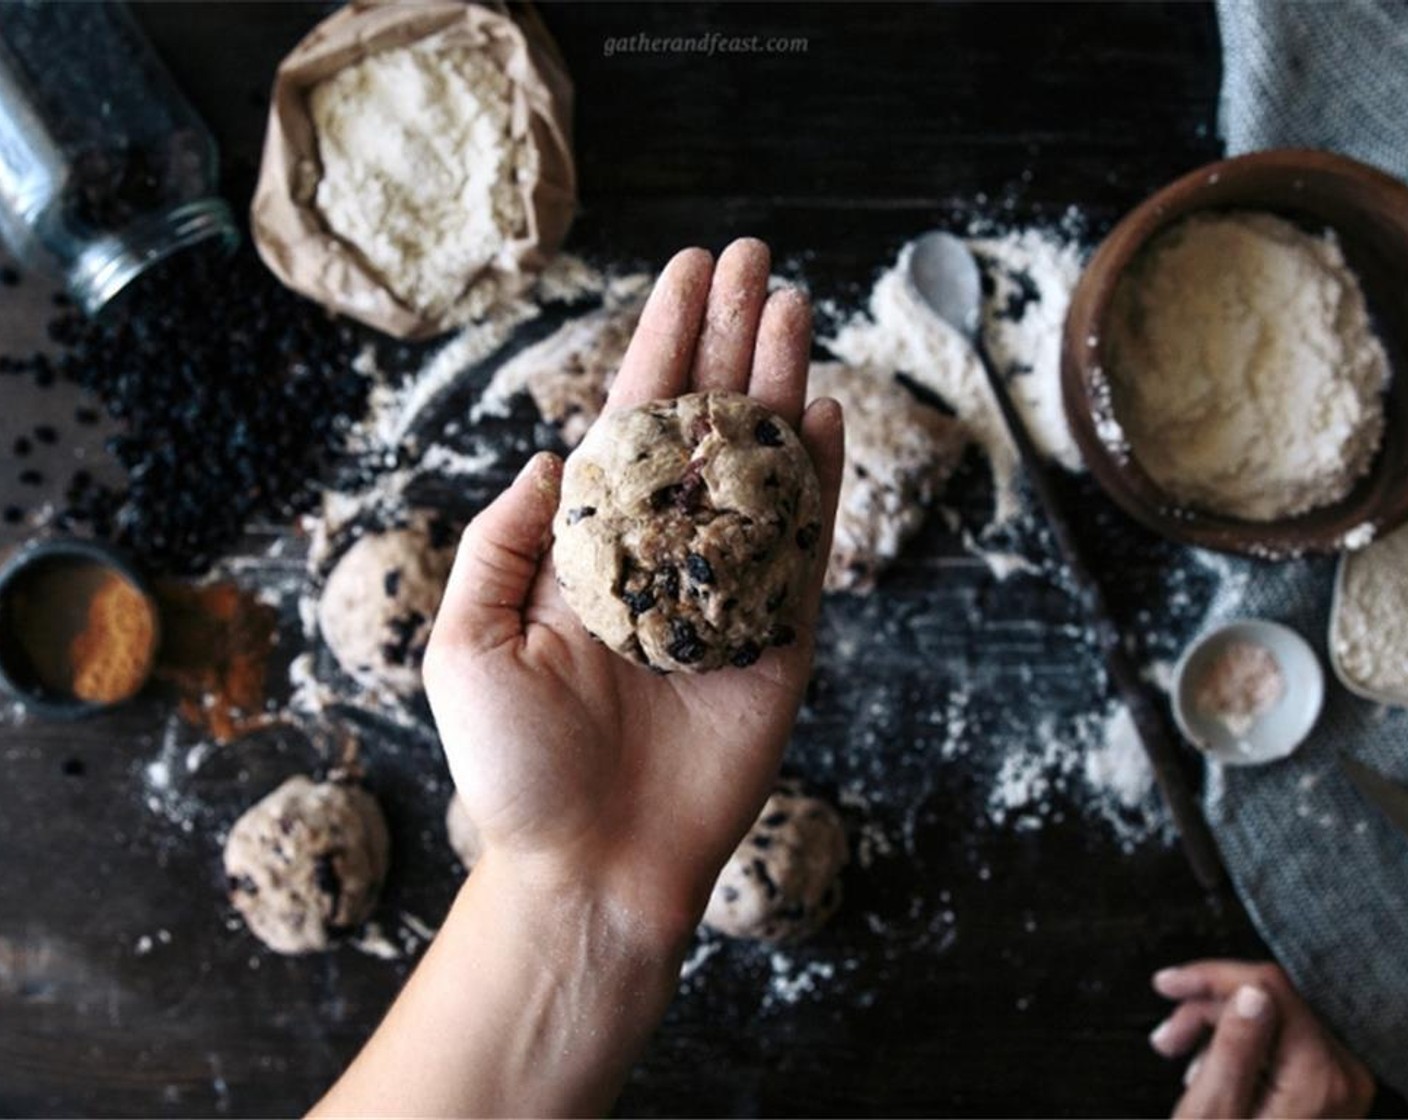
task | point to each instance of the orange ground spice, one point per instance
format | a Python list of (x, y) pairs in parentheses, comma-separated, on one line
[(215, 650), (111, 657)]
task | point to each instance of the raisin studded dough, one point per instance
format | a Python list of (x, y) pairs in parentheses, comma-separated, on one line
[(376, 610), (306, 863), (783, 882), (899, 454), (688, 530)]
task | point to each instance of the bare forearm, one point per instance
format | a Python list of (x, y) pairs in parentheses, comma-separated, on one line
[(530, 1002)]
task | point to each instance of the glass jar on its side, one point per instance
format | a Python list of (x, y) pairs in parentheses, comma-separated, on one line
[(105, 169)]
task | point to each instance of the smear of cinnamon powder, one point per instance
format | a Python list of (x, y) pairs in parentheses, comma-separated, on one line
[(216, 642)]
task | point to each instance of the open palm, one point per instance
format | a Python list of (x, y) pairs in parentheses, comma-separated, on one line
[(571, 759)]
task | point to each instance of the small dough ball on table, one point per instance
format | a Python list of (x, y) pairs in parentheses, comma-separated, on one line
[(688, 531), (377, 608), (783, 882), (464, 834), (899, 454), (307, 863)]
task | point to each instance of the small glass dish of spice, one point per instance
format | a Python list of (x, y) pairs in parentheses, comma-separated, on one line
[(78, 628), (1248, 692)]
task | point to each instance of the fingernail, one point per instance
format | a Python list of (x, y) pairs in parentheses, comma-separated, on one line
[(1159, 1034), (1167, 979), (1192, 1070), (1250, 1002), (542, 469)]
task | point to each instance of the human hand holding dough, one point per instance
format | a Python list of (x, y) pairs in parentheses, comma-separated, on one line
[(578, 766)]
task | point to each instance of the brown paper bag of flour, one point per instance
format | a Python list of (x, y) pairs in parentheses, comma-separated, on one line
[(286, 226)]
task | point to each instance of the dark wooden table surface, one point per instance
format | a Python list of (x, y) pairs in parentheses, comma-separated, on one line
[(123, 990)]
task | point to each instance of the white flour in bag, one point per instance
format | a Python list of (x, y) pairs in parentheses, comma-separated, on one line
[(420, 171)]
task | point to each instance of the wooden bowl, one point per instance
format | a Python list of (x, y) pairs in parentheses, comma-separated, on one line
[(1369, 212)]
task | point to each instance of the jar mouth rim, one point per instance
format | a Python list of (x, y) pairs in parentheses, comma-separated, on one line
[(110, 263)]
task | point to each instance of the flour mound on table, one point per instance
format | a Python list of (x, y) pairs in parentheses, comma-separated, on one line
[(421, 171), (899, 334), (1028, 276), (1370, 631), (1118, 765), (1245, 371)]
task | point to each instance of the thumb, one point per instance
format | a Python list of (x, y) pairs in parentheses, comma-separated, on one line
[(1228, 1078), (498, 560)]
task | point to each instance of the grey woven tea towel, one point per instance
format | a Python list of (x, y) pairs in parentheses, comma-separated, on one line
[(1323, 875), (1331, 74)]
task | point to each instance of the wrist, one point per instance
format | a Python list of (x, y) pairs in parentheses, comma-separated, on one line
[(644, 911), (577, 921), (533, 1000)]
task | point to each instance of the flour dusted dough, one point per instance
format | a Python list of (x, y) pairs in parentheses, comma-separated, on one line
[(463, 834), (899, 454), (688, 530), (783, 882), (1244, 367), (568, 373), (307, 863), (420, 167), (380, 601)]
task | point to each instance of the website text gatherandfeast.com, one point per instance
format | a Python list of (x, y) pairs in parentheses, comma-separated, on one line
[(713, 43)]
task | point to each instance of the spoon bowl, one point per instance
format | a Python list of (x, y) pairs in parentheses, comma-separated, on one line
[(944, 273)]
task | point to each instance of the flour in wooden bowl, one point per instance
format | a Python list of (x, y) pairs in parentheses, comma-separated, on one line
[(1245, 370)]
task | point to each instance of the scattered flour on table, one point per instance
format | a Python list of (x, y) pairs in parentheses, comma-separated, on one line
[(164, 778), (1231, 577), (1002, 565), (408, 935), (395, 405), (705, 949), (1097, 762), (1118, 765), (1360, 537), (568, 373), (793, 980)]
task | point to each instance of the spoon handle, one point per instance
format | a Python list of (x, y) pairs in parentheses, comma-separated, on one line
[(1150, 722)]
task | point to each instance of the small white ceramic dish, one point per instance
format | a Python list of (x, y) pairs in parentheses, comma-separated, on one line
[(1277, 732), (1379, 696)]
